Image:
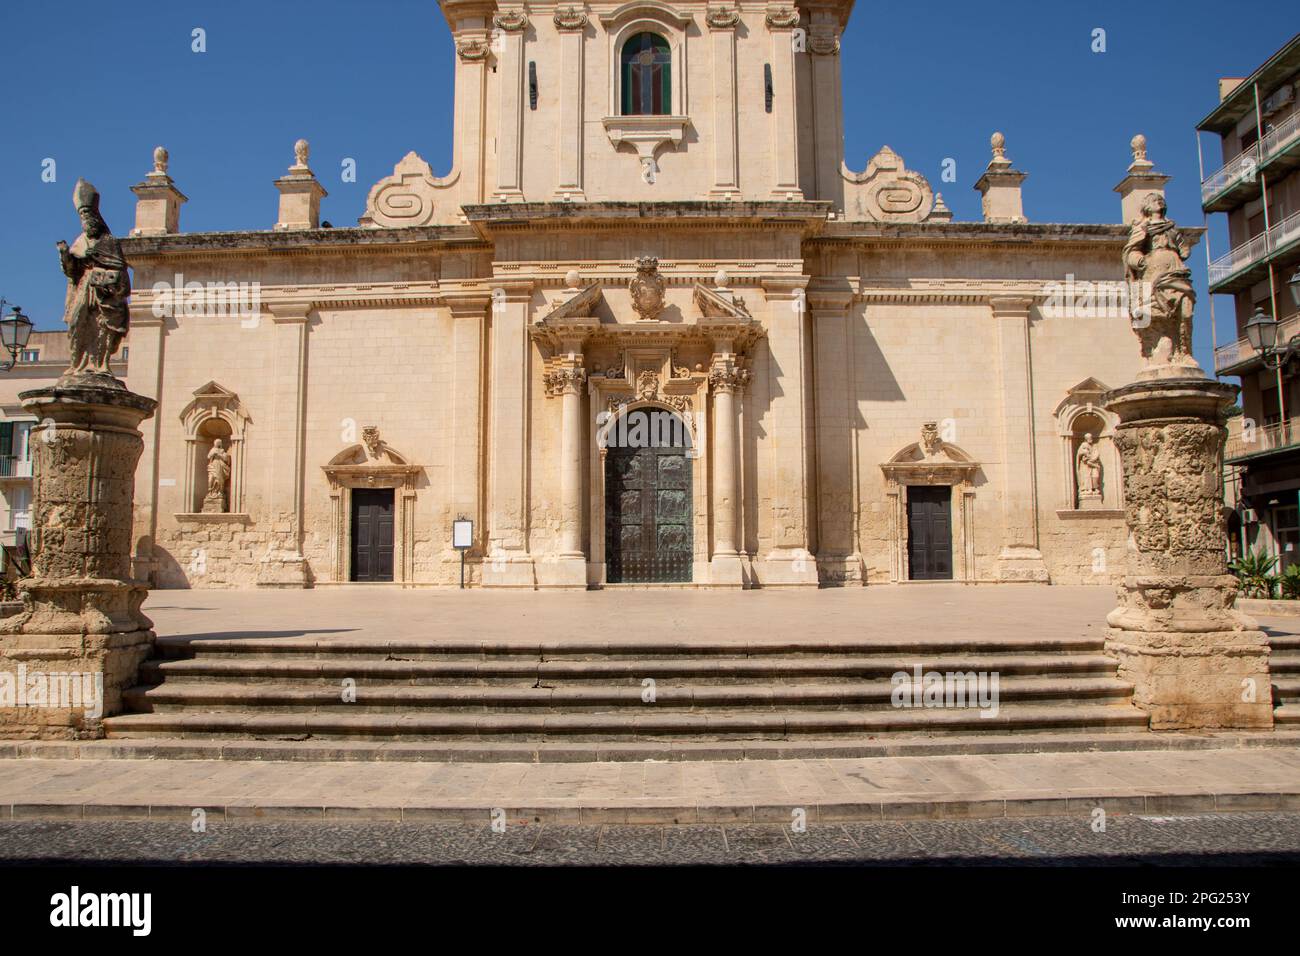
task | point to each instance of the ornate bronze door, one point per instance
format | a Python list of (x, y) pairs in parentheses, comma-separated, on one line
[(929, 532), (372, 534), (647, 513)]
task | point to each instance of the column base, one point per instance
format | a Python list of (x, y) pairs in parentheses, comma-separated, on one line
[(562, 571), (1196, 680), (513, 571), (842, 569), (788, 567), (284, 569), (728, 571), (1022, 563)]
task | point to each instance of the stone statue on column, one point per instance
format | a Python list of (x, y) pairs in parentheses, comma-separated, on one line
[(81, 611), (1161, 297), (95, 309), (1195, 662)]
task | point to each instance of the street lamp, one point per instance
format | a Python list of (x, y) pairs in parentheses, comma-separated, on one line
[(1294, 283), (15, 329)]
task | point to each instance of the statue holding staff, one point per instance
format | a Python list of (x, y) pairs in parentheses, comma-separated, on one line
[(95, 310)]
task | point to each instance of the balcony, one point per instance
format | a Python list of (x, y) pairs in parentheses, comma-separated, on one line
[(1248, 263), (1261, 440), (1237, 180), (12, 466), (1233, 358)]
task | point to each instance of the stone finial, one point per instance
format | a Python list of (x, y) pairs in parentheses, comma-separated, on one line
[(998, 142), (572, 279), (721, 279), (1000, 185), (1141, 181), (300, 193), (158, 201), (1138, 144), (940, 212)]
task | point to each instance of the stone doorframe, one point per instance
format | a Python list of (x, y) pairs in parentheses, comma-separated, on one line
[(372, 464), (646, 376), (932, 461)]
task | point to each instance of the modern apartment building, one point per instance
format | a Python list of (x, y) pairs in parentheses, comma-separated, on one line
[(1258, 188)]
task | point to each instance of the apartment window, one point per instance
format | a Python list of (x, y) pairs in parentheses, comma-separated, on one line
[(1286, 529), (30, 355)]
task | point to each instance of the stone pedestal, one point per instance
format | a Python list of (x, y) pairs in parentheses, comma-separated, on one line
[(214, 503), (1090, 501), (1195, 663), (81, 637)]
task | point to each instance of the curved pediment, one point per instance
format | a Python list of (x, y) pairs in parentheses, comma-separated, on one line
[(930, 461), (372, 462)]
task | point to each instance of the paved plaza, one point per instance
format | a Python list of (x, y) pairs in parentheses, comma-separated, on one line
[(915, 612)]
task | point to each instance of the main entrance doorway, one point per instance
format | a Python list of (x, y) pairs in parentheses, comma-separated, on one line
[(929, 532), (648, 499), (372, 534)]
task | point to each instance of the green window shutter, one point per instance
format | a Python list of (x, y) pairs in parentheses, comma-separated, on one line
[(6, 438)]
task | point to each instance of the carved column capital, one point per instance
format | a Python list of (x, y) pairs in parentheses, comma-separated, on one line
[(722, 18), (567, 380), (728, 377), (570, 19), (512, 21), (472, 49), (824, 43), (782, 18)]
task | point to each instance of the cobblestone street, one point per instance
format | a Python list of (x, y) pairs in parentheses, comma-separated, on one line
[(1200, 840)]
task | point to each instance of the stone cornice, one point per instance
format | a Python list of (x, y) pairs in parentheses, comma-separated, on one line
[(302, 242)]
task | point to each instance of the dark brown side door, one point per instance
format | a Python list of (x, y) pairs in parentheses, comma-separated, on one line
[(372, 534), (929, 532)]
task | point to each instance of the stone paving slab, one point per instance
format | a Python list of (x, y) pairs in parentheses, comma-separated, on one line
[(879, 788)]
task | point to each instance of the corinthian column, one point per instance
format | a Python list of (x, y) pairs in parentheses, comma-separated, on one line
[(725, 380), (569, 383)]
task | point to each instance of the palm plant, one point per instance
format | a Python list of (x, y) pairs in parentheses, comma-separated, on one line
[(1255, 572), (1290, 581)]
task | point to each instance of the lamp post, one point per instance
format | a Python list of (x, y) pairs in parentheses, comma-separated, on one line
[(1261, 332), (15, 329)]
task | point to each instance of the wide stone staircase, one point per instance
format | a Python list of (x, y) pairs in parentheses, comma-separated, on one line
[(672, 691), (1284, 668)]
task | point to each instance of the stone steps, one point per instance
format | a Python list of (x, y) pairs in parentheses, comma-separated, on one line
[(1286, 690), (630, 670), (170, 696), (626, 726), (1283, 662), (478, 692)]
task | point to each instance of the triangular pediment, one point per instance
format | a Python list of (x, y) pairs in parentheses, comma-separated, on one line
[(715, 304), (578, 306)]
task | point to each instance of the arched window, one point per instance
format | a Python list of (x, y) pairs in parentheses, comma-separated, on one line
[(646, 76)]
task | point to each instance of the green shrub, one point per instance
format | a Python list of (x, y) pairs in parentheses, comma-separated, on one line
[(1255, 572)]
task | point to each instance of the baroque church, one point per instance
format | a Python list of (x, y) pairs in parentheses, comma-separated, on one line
[(650, 327)]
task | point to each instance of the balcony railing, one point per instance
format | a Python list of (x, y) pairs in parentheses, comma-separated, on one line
[(1281, 136), (1246, 164), (1245, 441), (1232, 353), (12, 466), (1242, 166), (1255, 250)]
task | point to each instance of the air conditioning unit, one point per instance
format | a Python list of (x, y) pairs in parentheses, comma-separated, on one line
[(1278, 100)]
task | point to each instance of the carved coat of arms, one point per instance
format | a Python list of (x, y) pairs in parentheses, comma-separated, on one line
[(647, 289)]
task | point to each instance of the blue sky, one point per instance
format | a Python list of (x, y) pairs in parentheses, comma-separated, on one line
[(96, 86)]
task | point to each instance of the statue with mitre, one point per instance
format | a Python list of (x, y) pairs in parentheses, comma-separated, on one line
[(96, 310)]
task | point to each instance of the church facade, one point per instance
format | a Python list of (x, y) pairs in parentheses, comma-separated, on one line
[(649, 328)]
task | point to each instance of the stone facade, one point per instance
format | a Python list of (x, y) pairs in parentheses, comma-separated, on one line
[(578, 264)]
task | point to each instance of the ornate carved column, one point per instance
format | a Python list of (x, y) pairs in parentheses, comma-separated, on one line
[(1194, 661), (571, 23), (509, 45), (726, 379), (722, 23)]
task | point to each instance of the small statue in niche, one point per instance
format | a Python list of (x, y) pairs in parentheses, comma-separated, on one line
[(1087, 462), (215, 501)]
